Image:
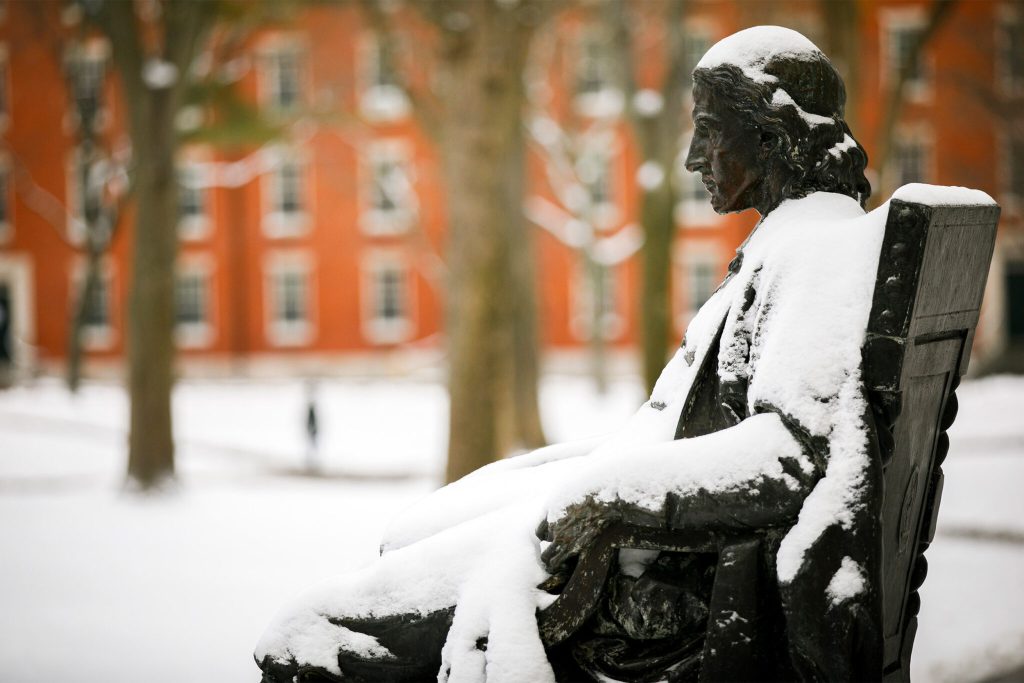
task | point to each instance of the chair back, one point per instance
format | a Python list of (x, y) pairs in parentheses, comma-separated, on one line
[(931, 277)]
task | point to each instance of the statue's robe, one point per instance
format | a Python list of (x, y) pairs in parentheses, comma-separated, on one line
[(758, 420)]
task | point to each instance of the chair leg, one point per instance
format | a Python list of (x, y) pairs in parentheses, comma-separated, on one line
[(730, 651)]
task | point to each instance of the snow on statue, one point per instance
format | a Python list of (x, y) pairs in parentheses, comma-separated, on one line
[(759, 420)]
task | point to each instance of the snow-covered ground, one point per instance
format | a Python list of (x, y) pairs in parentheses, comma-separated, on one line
[(99, 585)]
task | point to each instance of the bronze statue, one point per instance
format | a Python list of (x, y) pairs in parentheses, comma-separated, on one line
[(736, 516)]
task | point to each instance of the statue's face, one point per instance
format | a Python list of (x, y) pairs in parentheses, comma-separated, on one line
[(727, 152)]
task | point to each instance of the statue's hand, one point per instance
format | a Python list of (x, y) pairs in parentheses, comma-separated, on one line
[(575, 531)]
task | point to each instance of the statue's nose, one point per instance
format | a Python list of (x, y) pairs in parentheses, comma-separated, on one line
[(695, 160)]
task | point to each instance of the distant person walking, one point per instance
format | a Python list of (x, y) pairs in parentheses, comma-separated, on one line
[(312, 431)]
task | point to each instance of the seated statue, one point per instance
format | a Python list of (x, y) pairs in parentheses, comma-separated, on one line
[(758, 422)]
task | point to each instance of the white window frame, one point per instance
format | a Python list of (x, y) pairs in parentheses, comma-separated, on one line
[(1013, 198), (196, 227), (199, 334), (281, 332), (608, 100), (1005, 16), (94, 49), (17, 273), (377, 101), (74, 218), (604, 148), (281, 224), (613, 319), (376, 329), (893, 21), (687, 257), (96, 337), (395, 221), (690, 211), (269, 55), (7, 191), (921, 135), (5, 88), (704, 33)]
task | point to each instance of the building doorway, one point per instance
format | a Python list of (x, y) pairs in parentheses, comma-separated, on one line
[(1015, 304)]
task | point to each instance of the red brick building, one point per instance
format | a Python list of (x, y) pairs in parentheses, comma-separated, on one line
[(327, 245)]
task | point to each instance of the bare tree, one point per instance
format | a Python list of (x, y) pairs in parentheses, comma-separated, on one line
[(482, 51), (472, 109), (98, 206), (576, 176), (895, 92), (656, 114), (153, 46)]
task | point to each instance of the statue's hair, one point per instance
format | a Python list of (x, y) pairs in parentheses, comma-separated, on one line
[(815, 155)]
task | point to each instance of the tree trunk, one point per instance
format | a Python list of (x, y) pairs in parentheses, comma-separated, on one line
[(86, 291), (526, 431), (595, 274), (480, 69), (179, 30), (658, 218), (151, 305)]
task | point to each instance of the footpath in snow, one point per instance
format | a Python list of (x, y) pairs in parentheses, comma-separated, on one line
[(97, 585)]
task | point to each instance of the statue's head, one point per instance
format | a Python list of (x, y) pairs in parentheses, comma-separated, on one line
[(768, 123)]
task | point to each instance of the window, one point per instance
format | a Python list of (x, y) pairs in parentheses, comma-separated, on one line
[(1015, 302), (97, 307), (383, 96), (1010, 65), (594, 170), (285, 187), (696, 277), (86, 65), (289, 301), (97, 321), (911, 161), (904, 58), (388, 315), (604, 298), (696, 44), (74, 198), (193, 218), (5, 204), (192, 308), (694, 206), (4, 93), (597, 92), (703, 280), (282, 78), (1014, 151), (391, 199)]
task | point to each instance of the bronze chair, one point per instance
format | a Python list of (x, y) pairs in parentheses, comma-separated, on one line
[(931, 277)]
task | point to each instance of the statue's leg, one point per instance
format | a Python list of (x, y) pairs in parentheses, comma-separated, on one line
[(413, 640)]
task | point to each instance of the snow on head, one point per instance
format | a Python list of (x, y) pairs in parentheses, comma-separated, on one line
[(752, 49)]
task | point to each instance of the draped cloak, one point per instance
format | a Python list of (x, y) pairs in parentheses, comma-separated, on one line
[(781, 337)]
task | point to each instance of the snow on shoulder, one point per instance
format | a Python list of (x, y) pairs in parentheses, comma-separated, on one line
[(942, 195), (754, 48)]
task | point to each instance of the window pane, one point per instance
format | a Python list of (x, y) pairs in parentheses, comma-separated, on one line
[(286, 78), (3, 197), (290, 297), (703, 282), (97, 305), (191, 299), (289, 200), (191, 195), (390, 304)]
